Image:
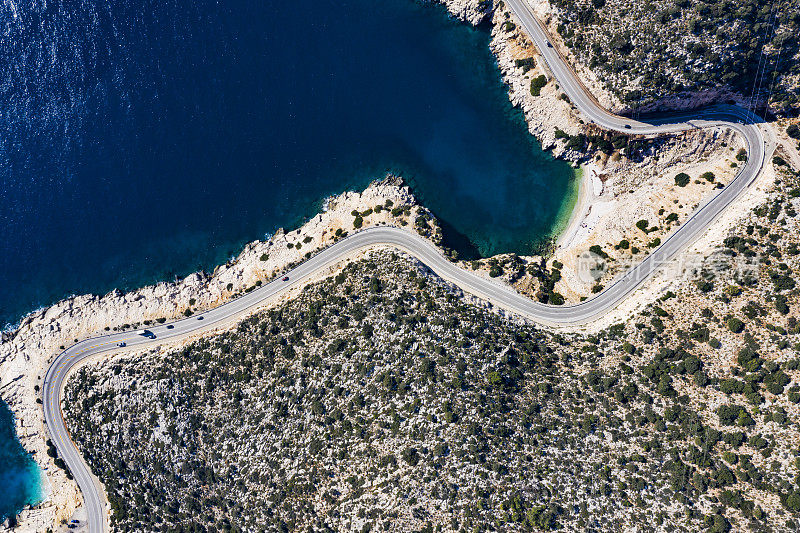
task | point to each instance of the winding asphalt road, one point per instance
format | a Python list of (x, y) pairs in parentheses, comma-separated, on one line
[(500, 295)]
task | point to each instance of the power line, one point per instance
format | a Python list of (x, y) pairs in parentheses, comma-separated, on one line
[(770, 31), (775, 70), (752, 104)]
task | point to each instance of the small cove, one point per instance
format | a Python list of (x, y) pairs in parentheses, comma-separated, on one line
[(141, 142)]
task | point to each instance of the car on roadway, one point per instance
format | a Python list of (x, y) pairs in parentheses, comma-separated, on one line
[(170, 326), (147, 333), (285, 278), (627, 126), (121, 344), (200, 317)]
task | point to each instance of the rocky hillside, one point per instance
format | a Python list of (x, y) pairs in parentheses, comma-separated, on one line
[(678, 49), (379, 400)]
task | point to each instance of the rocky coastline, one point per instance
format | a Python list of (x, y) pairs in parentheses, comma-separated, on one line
[(26, 352)]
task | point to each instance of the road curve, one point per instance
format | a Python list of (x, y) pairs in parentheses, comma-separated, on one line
[(494, 292)]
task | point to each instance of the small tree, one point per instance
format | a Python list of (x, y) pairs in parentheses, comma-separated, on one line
[(682, 179), (735, 325), (537, 83), (410, 456)]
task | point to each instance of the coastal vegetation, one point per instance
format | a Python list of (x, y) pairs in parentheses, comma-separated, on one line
[(381, 400), (647, 51), (537, 83)]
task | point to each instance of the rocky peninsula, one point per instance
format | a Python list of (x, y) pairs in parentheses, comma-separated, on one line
[(26, 352)]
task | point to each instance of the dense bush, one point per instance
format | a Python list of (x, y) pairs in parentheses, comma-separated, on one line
[(735, 325), (537, 83), (682, 179)]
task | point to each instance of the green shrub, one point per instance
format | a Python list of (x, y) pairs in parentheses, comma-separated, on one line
[(410, 456), (596, 249), (783, 282), (728, 414), (628, 348), (537, 83), (793, 131), (358, 222), (642, 225), (781, 304), (525, 64), (704, 285), (682, 179), (793, 501), (576, 142), (708, 176), (735, 325), (731, 386)]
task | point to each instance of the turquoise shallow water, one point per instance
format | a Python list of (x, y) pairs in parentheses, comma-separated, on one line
[(144, 140), (20, 478)]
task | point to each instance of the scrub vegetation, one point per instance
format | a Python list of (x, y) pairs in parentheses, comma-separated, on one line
[(645, 51), (381, 399)]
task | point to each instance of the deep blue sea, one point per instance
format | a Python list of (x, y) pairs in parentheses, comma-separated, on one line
[(140, 140)]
